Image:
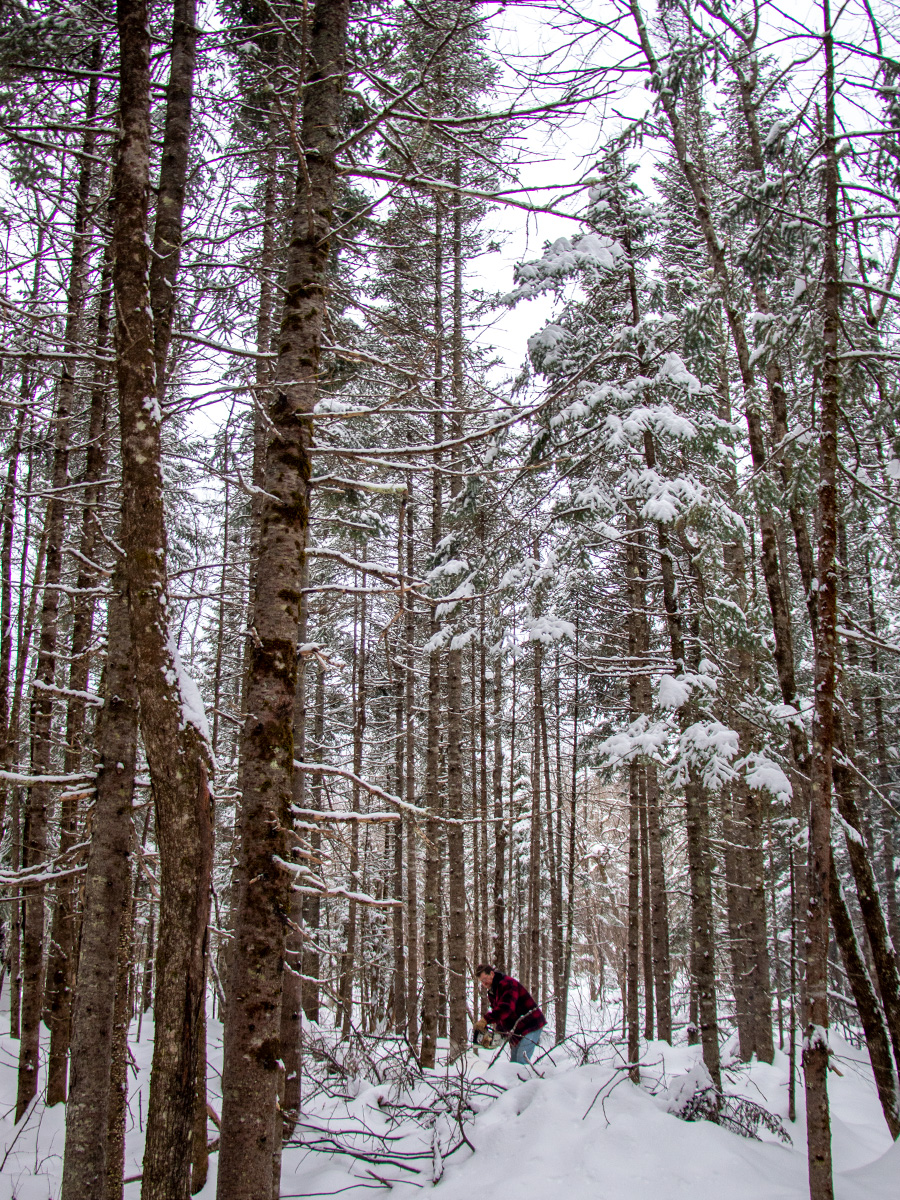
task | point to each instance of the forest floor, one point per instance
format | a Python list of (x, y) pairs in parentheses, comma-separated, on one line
[(569, 1128)]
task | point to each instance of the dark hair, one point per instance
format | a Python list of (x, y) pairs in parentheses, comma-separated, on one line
[(483, 969)]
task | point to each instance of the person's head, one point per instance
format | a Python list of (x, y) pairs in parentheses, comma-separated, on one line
[(484, 973)]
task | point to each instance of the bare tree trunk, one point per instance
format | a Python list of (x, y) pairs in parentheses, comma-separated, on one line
[(292, 987), (250, 1069), (456, 894), (36, 813), (431, 939), (554, 870), (885, 817), (37, 806), (399, 1006), (870, 1015), (172, 720), (884, 958), (632, 961), (535, 865), (106, 890), (118, 1082), (662, 970), (735, 902), (167, 231), (61, 965), (199, 1144), (348, 958), (646, 925), (412, 915), (311, 964), (499, 898), (816, 1050)]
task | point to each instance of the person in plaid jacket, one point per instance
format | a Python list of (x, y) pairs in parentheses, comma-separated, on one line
[(514, 1012)]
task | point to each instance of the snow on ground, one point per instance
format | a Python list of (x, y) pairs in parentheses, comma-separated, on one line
[(581, 1132)]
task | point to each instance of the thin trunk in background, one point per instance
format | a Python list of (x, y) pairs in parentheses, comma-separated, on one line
[(61, 964), (816, 1050)]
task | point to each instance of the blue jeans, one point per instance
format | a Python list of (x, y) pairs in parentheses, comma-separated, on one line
[(529, 1043)]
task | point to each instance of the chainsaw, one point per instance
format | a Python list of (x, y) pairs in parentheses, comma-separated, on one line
[(484, 1037)]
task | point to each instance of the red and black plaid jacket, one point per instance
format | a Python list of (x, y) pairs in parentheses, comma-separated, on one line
[(513, 1009)]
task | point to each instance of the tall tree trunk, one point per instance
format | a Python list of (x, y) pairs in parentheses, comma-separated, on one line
[(412, 915), (499, 898), (172, 719), (250, 1068), (61, 965), (36, 814), (632, 961), (34, 842), (554, 870), (399, 1007), (348, 958), (456, 892), (816, 1050), (646, 924), (431, 939)]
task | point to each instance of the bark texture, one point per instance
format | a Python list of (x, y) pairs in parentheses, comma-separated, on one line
[(252, 1035)]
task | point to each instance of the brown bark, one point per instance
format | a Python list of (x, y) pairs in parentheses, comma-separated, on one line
[(312, 904), (399, 1007), (61, 964), (867, 1005), (8, 519), (36, 814), (34, 842), (292, 987), (199, 1144), (499, 897), (456, 891), (106, 889), (554, 869), (659, 916), (250, 1069), (535, 878), (167, 230), (632, 960), (815, 1047), (118, 1081), (456, 860), (351, 927), (884, 957), (735, 898), (412, 917), (646, 932), (173, 729), (431, 940)]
